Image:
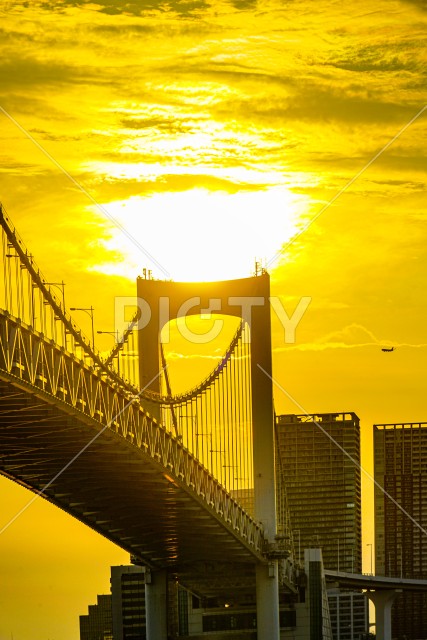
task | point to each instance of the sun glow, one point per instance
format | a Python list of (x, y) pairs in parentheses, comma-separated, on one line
[(198, 235)]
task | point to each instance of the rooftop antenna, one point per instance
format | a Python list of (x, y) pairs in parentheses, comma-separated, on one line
[(259, 267)]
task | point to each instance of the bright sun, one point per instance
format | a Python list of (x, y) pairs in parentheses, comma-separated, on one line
[(199, 235)]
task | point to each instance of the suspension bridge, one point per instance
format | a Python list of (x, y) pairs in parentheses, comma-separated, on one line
[(182, 482)]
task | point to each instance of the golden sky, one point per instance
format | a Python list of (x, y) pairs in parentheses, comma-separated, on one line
[(214, 132)]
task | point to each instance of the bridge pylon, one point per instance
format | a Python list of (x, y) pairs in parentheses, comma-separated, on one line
[(248, 299)]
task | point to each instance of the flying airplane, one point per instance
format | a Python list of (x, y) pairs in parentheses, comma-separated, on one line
[(388, 350)]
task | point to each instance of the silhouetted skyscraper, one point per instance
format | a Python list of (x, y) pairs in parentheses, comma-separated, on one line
[(323, 485), (128, 602), (320, 458), (98, 624), (121, 615), (400, 466)]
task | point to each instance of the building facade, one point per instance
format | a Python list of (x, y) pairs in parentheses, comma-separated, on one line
[(400, 468), (128, 602), (320, 460), (349, 612), (320, 457), (121, 614), (98, 624)]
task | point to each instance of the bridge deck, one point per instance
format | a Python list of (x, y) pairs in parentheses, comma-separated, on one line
[(114, 487)]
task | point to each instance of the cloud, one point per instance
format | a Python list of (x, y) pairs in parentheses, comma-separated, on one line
[(44, 134), (314, 101), (121, 7), (14, 37), (127, 30), (392, 57), (168, 125), (10, 165), (23, 74), (353, 336), (244, 5), (175, 355), (190, 181), (418, 4)]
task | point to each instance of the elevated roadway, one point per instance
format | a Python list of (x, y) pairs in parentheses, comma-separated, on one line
[(93, 451), (381, 590), (372, 582)]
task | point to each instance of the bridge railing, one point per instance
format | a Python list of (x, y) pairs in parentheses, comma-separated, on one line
[(30, 360), (28, 295), (47, 346)]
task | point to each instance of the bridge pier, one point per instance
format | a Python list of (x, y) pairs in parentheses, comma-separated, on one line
[(156, 612), (383, 599), (267, 601)]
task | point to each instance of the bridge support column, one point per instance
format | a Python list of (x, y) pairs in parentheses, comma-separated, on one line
[(267, 601), (383, 599), (156, 612)]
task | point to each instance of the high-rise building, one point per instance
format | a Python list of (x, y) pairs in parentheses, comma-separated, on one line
[(98, 624), (128, 602), (320, 457), (400, 467), (121, 614), (320, 461)]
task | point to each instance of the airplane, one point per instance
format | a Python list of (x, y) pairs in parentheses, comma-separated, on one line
[(388, 350)]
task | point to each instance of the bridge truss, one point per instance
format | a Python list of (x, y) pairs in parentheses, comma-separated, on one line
[(54, 379), (77, 428)]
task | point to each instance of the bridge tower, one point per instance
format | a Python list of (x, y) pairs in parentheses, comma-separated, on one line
[(248, 299)]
